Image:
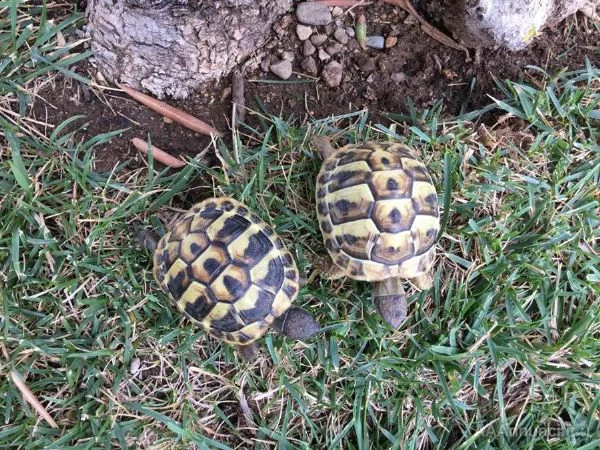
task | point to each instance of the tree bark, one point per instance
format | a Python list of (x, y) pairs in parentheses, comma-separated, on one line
[(171, 47)]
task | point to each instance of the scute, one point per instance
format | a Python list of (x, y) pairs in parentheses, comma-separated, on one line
[(378, 211), (227, 270)]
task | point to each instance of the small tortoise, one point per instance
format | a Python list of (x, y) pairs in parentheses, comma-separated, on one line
[(378, 213), (229, 272)]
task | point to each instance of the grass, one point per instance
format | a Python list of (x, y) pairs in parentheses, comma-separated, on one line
[(503, 352)]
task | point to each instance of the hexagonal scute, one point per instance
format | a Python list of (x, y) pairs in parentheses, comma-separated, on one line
[(385, 160), (193, 245), (425, 198), (232, 284), (353, 203), (203, 218), (388, 184), (349, 175), (256, 305), (228, 229), (393, 216), (269, 274), (223, 317), (352, 153), (180, 229), (355, 239), (195, 302), (416, 169), (251, 246), (176, 279), (210, 264), (391, 249), (425, 230)]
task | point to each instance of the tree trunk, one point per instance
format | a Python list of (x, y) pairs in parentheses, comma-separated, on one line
[(170, 47)]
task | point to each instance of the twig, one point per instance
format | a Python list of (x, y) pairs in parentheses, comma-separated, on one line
[(158, 154), (185, 119), (32, 399), (427, 28), (342, 3), (238, 113)]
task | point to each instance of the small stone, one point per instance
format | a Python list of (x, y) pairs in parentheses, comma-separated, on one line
[(350, 32), (265, 63), (332, 74), (334, 49), (303, 32), (370, 78), (398, 77), (410, 20), (337, 11), (375, 42), (282, 68), (309, 65), (288, 56), (310, 13), (318, 39), (390, 41), (308, 48), (323, 55), (340, 36), (328, 29)]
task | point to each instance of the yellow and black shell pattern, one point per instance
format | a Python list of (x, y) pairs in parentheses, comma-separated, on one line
[(227, 270), (378, 211)]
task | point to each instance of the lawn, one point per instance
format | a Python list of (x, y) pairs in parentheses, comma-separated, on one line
[(503, 351)]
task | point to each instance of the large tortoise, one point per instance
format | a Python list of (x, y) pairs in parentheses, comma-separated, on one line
[(378, 213), (228, 271)]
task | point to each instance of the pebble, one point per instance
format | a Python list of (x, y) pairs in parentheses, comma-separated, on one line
[(334, 49), (370, 78), (309, 65), (398, 77), (350, 32), (303, 32), (332, 74), (265, 63), (340, 36), (390, 41), (308, 48), (288, 56), (337, 11), (323, 55), (318, 39), (310, 13), (375, 42), (282, 68)]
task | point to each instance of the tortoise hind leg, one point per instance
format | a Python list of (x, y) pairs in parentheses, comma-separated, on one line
[(390, 301), (296, 323)]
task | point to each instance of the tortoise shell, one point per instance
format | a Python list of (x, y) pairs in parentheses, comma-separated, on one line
[(227, 270), (378, 211)]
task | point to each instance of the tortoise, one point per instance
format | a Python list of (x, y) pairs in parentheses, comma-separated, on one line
[(228, 271), (378, 213)]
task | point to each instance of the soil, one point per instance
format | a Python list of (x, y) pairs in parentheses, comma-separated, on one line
[(382, 81)]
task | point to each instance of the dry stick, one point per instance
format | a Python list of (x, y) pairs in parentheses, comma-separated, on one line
[(185, 119), (237, 99), (427, 28), (158, 154), (32, 399)]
